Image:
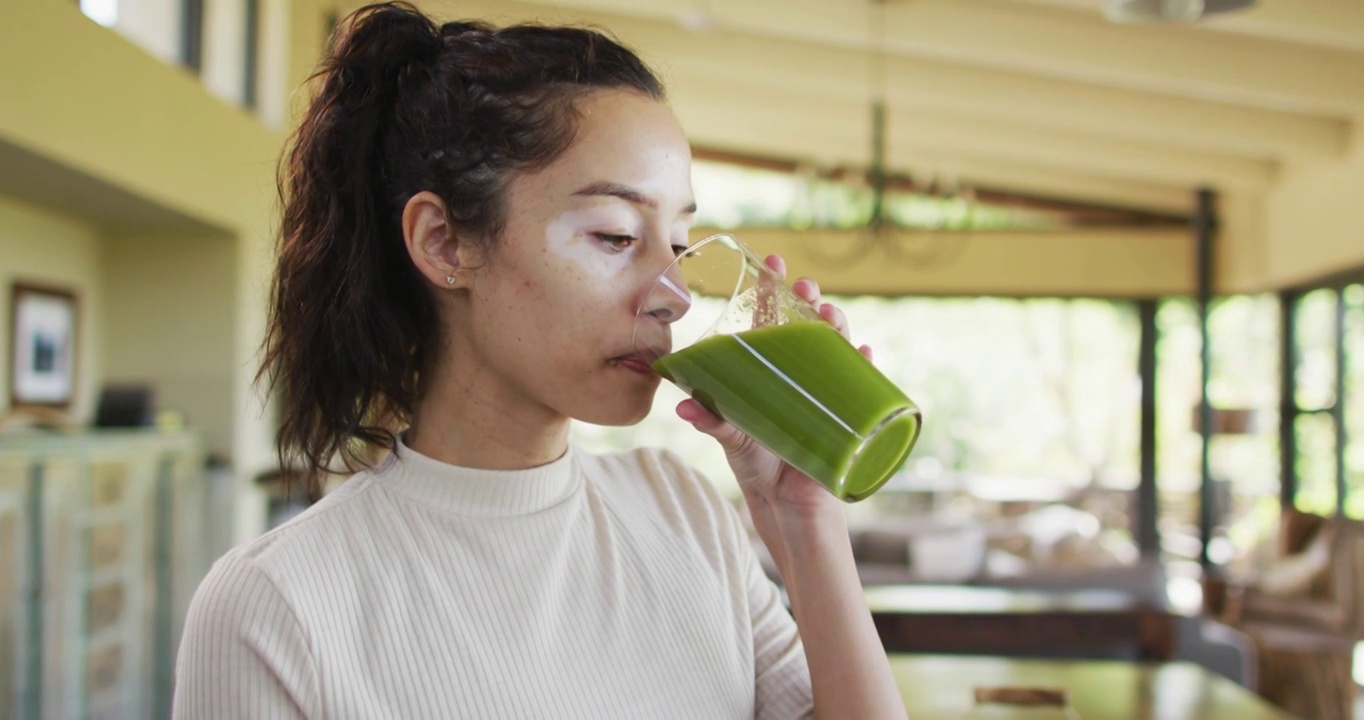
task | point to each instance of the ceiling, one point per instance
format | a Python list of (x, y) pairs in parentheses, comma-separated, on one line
[(44, 181), (1038, 96)]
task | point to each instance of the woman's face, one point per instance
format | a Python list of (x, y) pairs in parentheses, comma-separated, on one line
[(552, 310)]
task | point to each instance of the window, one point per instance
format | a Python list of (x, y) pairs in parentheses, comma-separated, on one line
[(1027, 404), (224, 42), (1354, 400), (1244, 450), (104, 12), (156, 26), (1315, 390), (731, 196)]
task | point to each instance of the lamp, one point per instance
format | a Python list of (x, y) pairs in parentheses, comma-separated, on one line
[(1166, 11)]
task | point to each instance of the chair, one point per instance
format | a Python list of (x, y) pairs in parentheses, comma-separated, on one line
[(1217, 647), (1305, 614)]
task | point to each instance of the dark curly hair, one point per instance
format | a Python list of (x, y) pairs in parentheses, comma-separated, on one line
[(404, 105)]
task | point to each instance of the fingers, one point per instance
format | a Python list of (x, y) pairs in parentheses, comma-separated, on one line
[(835, 317), (704, 420), (866, 351), (807, 290), (777, 264), (767, 306)]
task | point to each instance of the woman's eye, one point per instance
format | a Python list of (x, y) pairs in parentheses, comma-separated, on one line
[(617, 242)]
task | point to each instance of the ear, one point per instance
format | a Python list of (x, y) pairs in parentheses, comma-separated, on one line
[(432, 244)]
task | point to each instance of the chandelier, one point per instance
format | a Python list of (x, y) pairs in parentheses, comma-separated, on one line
[(936, 240)]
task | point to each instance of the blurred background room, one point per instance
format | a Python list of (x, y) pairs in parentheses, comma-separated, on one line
[(1113, 248)]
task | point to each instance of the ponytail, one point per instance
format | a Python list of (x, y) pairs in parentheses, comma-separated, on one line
[(404, 105)]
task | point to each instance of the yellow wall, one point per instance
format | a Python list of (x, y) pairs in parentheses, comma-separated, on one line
[(117, 114), (43, 247), (111, 111), (169, 315), (1316, 219)]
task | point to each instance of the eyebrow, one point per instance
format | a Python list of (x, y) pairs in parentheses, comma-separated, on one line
[(609, 189)]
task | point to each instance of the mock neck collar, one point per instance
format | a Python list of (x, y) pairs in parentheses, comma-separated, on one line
[(478, 492)]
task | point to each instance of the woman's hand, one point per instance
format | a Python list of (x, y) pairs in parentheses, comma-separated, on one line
[(805, 529), (768, 483)]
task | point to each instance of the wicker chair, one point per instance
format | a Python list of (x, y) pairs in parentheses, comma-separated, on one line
[(1305, 636)]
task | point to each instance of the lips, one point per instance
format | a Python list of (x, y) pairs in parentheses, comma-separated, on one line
[(635, 363)]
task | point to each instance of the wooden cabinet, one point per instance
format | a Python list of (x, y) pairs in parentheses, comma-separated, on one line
[(97, 588)]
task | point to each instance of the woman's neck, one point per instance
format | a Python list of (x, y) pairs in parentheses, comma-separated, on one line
[(473, 419)]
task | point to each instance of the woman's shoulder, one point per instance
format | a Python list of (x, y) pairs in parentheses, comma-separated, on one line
[(651, 467), (664, 482), (283, 554)]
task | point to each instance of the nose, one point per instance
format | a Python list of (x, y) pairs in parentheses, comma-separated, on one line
[(665, 301), (669, 299)]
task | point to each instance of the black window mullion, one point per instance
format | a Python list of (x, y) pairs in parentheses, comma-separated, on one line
[(1205, 228), (250, 83), (1288, 398), (1148, 498), (192, 34), (1338, 409)]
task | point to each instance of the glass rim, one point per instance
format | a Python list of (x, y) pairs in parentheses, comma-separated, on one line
[(750, 259), (913, 411)]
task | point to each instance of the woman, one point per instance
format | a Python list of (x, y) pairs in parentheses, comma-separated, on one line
[(471, 219)]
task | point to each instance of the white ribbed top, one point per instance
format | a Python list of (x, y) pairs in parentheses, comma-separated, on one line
[(593, 587)]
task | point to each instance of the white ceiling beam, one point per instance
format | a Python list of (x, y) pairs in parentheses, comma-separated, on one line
[(923, 84), (1161, 58), (706, 57), (739, 115), (1007, 177), (914, 84), (1057, 43)]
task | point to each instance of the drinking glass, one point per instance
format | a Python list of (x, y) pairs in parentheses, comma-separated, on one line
[(770, 365)]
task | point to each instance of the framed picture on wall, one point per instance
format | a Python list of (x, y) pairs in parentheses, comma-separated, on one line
[(43, 336)]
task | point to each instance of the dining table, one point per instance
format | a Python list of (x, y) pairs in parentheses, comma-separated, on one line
[(1096, 623), (943, 687)]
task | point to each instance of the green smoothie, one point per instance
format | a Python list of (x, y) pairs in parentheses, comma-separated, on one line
[(805, 393)]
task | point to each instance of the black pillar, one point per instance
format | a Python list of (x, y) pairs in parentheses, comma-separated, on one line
[(1288, 401), (1148, 505), (1205, 227), (1338, 409)]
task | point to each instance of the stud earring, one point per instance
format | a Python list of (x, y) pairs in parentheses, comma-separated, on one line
[(450, 280)]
